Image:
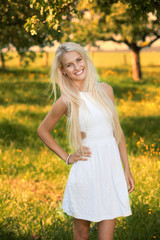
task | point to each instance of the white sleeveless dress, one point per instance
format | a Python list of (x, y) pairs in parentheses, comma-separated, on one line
[(96, 189)]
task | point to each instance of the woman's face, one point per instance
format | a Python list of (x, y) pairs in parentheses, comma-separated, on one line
[(74, 66)]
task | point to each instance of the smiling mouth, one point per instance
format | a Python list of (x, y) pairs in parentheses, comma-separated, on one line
[(78, 73)]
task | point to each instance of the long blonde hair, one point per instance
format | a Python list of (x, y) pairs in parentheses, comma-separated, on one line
[(70, 94)]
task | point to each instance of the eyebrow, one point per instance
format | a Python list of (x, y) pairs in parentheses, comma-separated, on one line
[(70, 62)]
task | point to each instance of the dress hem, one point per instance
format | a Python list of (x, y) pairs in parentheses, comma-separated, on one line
[(96, 219)]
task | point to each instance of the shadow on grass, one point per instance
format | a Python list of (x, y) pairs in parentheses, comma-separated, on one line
[(31, 87), (25, 93), (12, 132), (33, 116), (57, 230), (19, 71), (119, 70), (151, 65), (121, 76), (140, 225), (144, 127), (23, 136), (125, 91), (10, 230), (147, 127)]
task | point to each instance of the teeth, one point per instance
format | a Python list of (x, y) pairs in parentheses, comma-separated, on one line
[(79, 72)]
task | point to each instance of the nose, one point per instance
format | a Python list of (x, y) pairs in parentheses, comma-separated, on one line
[(76, 67)]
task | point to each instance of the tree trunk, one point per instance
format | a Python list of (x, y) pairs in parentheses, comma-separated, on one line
[(20, 60), (125, 59), (136, 67), (2, 61), (46, 59)]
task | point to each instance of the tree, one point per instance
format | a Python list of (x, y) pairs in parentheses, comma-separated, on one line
[(137, 8), (13, 16), (54, 11), (50, 12), (116, 22), (122, 26), (83, 31)]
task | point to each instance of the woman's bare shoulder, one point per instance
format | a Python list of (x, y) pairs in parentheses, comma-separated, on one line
[(64, 101), (59, 107), (106, 86), (109, 90)]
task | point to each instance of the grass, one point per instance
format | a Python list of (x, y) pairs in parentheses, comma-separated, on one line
[(32, 178)]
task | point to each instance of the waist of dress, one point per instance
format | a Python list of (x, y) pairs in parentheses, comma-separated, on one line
[(98, 139)]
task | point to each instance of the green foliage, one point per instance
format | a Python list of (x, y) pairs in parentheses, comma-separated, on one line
[(115, 20), (76, 30), (50, 12), (54, 12), (13, 16), (140, 7), (121, 23), (137, 8)]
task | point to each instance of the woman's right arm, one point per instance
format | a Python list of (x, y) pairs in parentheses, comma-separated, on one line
[(58, 110), (44, 132)]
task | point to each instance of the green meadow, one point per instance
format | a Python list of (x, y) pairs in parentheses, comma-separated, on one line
[(32, 178)]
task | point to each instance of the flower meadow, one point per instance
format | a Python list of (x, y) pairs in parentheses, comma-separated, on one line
[(32, 178)]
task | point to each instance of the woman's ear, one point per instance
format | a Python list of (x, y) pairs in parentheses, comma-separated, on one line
[(63, 71)]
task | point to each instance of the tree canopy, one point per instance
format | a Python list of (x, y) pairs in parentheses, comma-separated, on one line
[(50, 12), (53, 12), (13, 16), (137, 8), (119, 24)]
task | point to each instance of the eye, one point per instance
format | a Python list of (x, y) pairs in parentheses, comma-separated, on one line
[(68, 65), (79, 59)]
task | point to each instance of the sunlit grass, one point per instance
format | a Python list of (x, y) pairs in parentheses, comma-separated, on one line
[(32, 178)]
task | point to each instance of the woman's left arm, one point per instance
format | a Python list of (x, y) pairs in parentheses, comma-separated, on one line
[(124, 158), (122, 147)]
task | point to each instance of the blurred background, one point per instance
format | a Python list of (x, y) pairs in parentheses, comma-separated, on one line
[(122, 38)]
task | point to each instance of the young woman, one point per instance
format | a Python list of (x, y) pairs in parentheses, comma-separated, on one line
[(98, 187)]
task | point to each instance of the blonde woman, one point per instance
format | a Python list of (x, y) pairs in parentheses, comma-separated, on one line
[(98, 187)]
